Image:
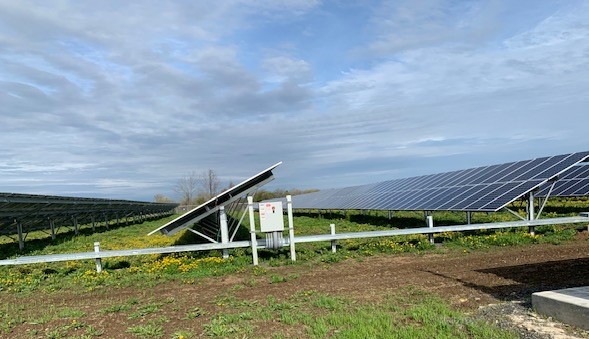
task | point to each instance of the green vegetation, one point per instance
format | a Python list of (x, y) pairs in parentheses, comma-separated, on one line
[(151, 270), (151, 330), (410, 313)]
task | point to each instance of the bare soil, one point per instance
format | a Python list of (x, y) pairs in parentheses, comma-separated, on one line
[(470, 281)]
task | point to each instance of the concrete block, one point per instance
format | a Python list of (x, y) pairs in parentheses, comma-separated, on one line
[(570, 306)]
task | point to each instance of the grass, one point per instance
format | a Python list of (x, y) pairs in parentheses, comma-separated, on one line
[(144, 310), (115, 309), (151, 330), (410, 313)]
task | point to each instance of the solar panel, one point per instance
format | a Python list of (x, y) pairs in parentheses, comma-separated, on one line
[(486, 189), (210, 207), (22, 213), (572, 183)]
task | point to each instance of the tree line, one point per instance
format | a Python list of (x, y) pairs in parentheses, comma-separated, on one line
[(199, 187)]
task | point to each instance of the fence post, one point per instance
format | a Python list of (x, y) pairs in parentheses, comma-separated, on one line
[(293, 253), (430, 224), (224, 230), (333, 242), (98, 260), (250, 206)]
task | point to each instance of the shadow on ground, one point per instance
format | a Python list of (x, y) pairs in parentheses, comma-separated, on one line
[(529, 278)]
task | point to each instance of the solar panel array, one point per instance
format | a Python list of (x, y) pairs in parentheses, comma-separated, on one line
[(227, 198), (486, 189), (573, 183), (35, 211)]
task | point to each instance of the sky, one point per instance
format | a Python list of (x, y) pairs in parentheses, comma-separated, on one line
[(120, 99)]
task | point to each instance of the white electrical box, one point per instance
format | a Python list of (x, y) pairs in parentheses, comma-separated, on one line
[(271, 219)]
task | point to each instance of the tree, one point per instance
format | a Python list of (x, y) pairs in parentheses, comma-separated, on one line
[(162, 198), (209, 184), (197, 188), (187, 188), (263, 194)]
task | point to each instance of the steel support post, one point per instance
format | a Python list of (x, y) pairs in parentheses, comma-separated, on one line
[(531, 212), (333, 242), (250, 207), (75, 225), (93, 223), (430, 224), (224, 230), (98, 260), (21, 238), (52, 227), (468, 217), (291, 238)]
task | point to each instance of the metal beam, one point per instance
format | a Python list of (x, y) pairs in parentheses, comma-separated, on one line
[(203, 235), (299, 239), (546, 199), (439, 229)]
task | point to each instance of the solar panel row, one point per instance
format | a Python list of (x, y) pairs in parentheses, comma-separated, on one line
[(35, 211), (573, 183), (487, 188)]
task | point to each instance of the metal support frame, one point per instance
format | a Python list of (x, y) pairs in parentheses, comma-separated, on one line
[(98, 261), (531, 212), (430, 224), (75, 220), (333, 242), (224, 230), (243, 214), (254, 242), (300, 239), (52, 228), (468, 217), (291, 238), (531, 206), (545, 200), (514, 213), (202, 235), (21, 238)]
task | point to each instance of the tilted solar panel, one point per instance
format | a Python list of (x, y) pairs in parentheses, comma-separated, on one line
[(487, 188), (223, 199), (572, 183)]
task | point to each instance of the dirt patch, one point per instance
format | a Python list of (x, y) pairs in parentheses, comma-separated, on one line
[(470, 281)]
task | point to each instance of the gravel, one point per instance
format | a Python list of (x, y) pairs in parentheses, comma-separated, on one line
[(518, 317)]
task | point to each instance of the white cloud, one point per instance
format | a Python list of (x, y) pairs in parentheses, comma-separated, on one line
[(282, 68), (124, 98)]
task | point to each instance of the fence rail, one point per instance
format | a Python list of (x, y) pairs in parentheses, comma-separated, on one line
[(261, 243)]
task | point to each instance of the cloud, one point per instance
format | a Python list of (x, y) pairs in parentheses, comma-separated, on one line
[(121, 99)]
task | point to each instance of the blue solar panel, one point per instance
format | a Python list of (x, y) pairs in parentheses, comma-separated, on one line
[(487, 188), (230, 196), (572, 183)]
